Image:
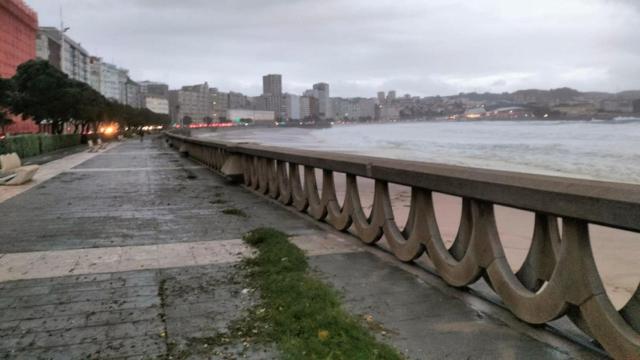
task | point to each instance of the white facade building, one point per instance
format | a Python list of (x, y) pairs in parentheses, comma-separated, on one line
[(157, 104), (259, 117), (63, 52), (354, 108), (305, 107), (110, 83), (75, 60), (292, 107)]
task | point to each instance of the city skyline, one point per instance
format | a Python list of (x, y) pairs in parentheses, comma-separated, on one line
[(436, 48)]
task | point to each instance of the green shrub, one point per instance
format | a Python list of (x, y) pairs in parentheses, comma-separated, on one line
[(55, 142), (32, 145), (23, 145)]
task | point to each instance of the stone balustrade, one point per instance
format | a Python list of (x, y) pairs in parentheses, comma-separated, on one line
[(559, 275)]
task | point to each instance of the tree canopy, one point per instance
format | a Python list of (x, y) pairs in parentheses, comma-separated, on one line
[(6, 87), (45, 94)]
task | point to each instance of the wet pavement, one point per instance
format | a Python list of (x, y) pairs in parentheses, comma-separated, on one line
[(130, 255)]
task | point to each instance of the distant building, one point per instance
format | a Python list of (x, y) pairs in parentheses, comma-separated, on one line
[(475, 113), (321, 92), (354, 108), (73, 58), (305, 107), (272, 94), (155, 89), (510, 112), (391, 96), (309, 107), (219, 104), (381, 98), (95, 72), (256, 102), (194, 102), (155, 96), (18, 30), (389, 112), (272, 84), (49, 48), (156, 104), (621, 106), (636, 106), (133, 97), (103, 77), (237, 101), (292, 107), (257, 117)]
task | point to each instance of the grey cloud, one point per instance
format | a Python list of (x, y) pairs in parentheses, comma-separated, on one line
[(360, 46)]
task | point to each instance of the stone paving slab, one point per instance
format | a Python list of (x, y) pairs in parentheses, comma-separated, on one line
[(118, 315), (420, 320), (48, 171), (58, 263), (146, 206), (48, 264)]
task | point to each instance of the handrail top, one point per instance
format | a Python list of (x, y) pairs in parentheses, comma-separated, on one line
[(601, 202)]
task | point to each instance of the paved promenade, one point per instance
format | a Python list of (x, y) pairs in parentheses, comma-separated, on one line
[(129, 253)]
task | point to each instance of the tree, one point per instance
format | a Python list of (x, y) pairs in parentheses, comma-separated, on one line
[(186, 120), (88, 106), (208, 120), (6, 88), (42, 92), (5, 120)]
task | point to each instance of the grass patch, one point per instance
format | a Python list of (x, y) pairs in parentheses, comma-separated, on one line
[(235, 212), (300, 314)]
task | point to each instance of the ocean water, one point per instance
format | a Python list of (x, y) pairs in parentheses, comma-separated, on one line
[(600, 150)]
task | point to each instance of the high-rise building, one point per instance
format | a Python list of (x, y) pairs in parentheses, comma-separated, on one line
[(49, 48), (157, 104), (272, 94), (155, 89), (354, 108), (95, 72), (154, 96), (194, 102), (256, 103), (321, 91), (391, 96), (292, 107), (272, 84), (18, 29), (133, 96), (381, 98), (219, 105), (309, 107), (73, 58), (114, 83), (237, 100)]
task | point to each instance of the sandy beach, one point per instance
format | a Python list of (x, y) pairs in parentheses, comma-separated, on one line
[(616, 251)]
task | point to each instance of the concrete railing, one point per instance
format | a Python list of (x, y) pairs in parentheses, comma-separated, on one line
[(559, 275)]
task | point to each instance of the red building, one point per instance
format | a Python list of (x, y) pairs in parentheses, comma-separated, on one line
[(18, 31)]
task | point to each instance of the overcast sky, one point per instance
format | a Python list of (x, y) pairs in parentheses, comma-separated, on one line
[(422, 47)]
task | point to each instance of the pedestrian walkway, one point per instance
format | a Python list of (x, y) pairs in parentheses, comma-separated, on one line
[(132, 252)]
